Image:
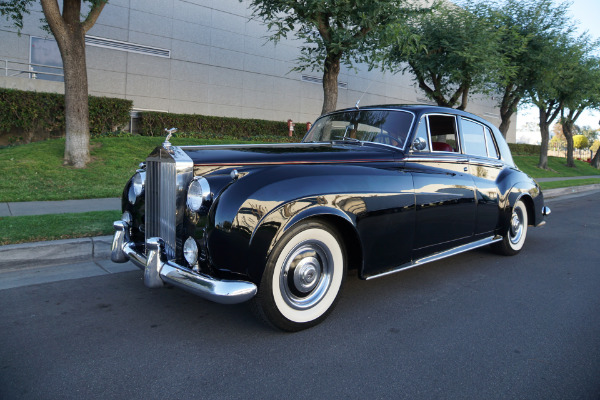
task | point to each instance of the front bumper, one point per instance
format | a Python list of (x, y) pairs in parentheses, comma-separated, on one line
[(158, 271)]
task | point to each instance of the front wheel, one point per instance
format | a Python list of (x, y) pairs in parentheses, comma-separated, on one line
[(303, 277), (514, 237)]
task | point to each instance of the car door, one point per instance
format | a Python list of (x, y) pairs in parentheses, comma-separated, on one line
[(444, 189), (485, 167)]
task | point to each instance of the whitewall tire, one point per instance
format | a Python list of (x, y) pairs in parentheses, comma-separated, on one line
[(303, 277), (514, 238)]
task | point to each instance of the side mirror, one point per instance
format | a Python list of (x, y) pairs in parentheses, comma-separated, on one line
[(419, 144)]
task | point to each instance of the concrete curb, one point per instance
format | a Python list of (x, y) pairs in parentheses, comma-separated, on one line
[(59, 252), (56, 252), (553, 193)]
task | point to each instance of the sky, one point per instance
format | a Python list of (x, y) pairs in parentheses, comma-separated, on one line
[(587, 13)]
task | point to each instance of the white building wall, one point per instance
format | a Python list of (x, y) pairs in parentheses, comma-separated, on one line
[(220, 64)]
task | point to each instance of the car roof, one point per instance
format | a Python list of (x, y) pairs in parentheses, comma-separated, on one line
[(418, 109)]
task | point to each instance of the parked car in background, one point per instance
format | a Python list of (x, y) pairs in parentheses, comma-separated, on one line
[(374, 190)]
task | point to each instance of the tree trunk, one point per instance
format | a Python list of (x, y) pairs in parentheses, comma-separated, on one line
[(567, 131), (330, 83), (69, 32), (507, 109), (544, 130), (596, 160), (505, 124), (76, 100)]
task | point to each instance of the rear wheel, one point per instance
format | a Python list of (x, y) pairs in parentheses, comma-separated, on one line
[(514, 237), (303, 277)]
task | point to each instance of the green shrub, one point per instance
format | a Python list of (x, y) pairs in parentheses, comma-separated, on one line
[(580, 142), (108, 114), (30, 112), (524, 149), (209, 127)]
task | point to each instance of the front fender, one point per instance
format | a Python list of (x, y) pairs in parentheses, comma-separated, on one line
[(282, 218), (251, 214)]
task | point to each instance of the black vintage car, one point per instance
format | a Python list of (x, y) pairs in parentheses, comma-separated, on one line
[(376, 190)]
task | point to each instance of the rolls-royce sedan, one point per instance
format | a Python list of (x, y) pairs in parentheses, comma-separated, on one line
[(374, 190)]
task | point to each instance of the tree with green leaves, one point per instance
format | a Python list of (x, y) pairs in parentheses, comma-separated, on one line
[(68, 28), (581, 91), (525, 26), (334, 32), (580, 142), (557, 56), (456, 53)]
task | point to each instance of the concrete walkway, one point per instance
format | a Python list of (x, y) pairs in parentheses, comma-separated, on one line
[(94, 250), (14, 209)]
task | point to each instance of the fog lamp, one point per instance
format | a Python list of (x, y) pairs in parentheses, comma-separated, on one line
[(190, 251)]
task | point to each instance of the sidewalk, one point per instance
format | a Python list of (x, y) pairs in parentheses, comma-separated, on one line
[(14, 209), (59, 252)]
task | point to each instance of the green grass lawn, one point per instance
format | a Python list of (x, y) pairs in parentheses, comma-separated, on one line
[(557, 167), (34, 172), (35, 228)]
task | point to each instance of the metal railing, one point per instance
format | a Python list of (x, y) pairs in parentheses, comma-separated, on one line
[(32, 71)]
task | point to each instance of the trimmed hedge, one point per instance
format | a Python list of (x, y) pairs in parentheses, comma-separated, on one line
[(29, 112), (524, 149), (209, 127)]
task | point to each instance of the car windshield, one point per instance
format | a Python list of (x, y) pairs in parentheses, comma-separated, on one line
[(389, 127)]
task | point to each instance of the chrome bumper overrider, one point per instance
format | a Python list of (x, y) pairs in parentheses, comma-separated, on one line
[(546, 211), (158, 272)]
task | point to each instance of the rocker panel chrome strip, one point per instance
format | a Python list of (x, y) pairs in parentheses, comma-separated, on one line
[(440, 255)]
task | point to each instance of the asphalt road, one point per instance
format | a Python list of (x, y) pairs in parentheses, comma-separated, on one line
[(476, 326)]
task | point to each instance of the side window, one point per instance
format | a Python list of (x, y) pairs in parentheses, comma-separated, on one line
[(422, 133), (491, 147), (473, 138), (443, 133)]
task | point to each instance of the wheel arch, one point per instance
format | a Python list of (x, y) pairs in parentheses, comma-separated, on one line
[(265, 236)]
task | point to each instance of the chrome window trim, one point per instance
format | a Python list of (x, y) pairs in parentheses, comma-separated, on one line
[(458, 138), (452, 160), (494, 144), (487, 163), (428, 149), (484, 126)]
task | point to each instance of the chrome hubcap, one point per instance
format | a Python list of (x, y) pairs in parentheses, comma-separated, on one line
[(516, 226), (306, 275)]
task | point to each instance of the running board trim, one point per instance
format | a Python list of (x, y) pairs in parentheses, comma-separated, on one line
[(440, 255)]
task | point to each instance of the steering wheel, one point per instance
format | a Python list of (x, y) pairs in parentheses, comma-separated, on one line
[(386, 139)]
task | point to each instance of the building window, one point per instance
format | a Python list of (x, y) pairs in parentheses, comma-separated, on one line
[(44, 60)]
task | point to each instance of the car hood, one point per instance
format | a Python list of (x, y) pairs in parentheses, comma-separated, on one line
[(295, 153)]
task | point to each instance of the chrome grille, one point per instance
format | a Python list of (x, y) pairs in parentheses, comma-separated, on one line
[(161, 208)]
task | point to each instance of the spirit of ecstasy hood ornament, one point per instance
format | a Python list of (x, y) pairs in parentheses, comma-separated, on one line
[(170, 132)]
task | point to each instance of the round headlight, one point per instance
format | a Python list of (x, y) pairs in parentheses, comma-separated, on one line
[(199, 195), (137, 186), (190, 251), (137, 182)]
